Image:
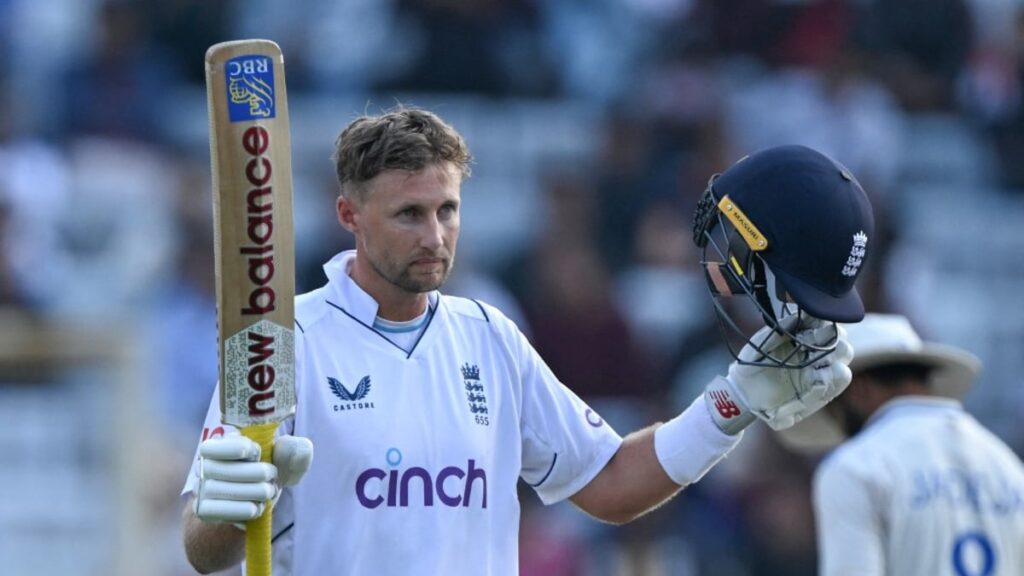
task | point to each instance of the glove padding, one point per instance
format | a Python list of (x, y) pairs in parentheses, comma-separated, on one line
[(780, 396), (234, 486)]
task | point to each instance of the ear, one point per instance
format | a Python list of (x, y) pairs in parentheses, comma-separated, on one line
[(348, 213)]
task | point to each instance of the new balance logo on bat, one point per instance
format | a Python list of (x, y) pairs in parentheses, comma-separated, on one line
[(259, 209)]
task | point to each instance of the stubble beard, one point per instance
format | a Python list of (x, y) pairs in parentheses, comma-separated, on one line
[(399, 275)]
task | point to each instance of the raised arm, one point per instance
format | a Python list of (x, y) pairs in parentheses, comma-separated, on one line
[(635, 480), (653, 464)]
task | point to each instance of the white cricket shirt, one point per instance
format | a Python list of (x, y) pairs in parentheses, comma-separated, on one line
[(923, 490), (418, 453)]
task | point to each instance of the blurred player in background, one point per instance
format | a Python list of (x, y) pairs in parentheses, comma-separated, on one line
[(918, 486), (427, 409)]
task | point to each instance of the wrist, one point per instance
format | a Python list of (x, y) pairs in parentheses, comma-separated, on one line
[(690, 444), (726, 408)]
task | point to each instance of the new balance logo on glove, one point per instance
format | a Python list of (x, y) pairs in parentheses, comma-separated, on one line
[(725, 406)]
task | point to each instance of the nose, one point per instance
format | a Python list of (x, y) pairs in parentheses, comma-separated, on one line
[(433, 234)]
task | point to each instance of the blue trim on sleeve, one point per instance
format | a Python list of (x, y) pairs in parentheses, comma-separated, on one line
[(301, 329), (551, 469)]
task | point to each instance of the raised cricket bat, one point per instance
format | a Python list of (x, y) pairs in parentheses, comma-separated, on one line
[(254, 246)]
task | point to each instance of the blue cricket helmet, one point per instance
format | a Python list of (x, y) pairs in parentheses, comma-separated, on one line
[(790, 228)]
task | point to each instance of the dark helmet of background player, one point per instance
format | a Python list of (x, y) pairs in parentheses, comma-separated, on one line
[(789, 228)]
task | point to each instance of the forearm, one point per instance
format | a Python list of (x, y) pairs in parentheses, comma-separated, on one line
[(654, 464), (631, 484), (211, 546)]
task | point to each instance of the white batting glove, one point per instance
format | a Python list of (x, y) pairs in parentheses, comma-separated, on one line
[(234, 486), (780, 396)]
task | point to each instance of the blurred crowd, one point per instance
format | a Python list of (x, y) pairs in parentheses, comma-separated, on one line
[(595, 126)]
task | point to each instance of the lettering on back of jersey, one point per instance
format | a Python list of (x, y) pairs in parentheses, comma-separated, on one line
[(353, 400), (475, 394), (981, 492)]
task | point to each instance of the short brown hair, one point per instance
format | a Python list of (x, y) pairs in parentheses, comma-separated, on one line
[(400, 139)]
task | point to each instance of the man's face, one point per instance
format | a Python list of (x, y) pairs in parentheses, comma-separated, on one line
[(408, 225)]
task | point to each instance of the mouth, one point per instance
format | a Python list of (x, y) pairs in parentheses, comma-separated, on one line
[(428, 262)]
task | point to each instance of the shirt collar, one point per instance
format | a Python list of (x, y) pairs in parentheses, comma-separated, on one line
[(345, 293)]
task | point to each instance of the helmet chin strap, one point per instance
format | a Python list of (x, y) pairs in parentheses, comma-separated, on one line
[(760, 279), (770, 295), (764, 292)]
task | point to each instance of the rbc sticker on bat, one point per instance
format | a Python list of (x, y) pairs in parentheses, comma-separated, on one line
[(250, 85)]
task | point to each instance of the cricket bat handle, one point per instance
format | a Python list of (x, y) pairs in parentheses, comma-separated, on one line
[(258, 531)]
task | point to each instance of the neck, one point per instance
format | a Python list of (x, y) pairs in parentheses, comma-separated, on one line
[(393, 303)]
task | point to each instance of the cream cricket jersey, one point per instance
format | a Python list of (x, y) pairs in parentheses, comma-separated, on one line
[(418, 451), (923, 490)]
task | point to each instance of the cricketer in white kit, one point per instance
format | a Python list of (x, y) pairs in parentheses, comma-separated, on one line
[(426, 410), (432, 440), (923, 488)]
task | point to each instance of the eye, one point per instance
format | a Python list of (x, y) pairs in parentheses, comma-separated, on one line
[(448, 211), (408, 213)]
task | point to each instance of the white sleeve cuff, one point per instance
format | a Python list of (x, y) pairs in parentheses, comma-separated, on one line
[(688, 445)]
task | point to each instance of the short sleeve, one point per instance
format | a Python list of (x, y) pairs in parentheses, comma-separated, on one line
[(565, 442), (847, 521)]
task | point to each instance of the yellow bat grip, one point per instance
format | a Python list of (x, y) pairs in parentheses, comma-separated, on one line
[(258, 531)]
